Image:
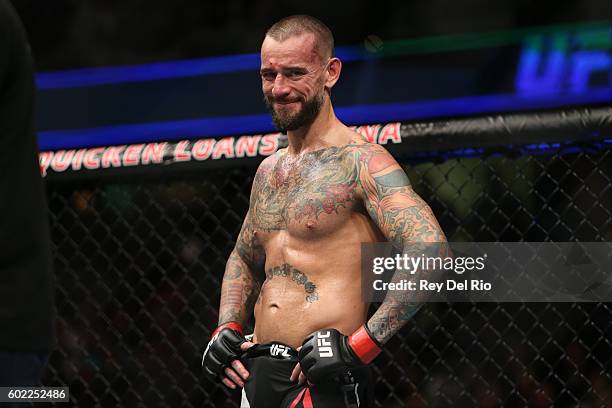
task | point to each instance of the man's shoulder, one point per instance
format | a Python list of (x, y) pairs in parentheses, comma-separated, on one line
[(269, 162), (371, 158), (364, 150), (360, 144)]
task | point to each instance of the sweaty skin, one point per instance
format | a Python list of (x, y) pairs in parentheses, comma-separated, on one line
[(296, 263), (308, 217)]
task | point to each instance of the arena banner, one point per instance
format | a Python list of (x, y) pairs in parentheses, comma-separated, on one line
[(533, 130), (184, 151)]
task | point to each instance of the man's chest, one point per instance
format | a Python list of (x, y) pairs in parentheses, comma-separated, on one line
[(310, 196)]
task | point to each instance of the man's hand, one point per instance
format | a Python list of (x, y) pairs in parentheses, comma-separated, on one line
[(328, 352), (221, 359)]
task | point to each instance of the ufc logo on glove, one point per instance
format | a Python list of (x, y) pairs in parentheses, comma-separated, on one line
[(324, 344)]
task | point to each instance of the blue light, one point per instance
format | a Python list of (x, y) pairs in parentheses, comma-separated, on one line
[(556, 64), (351, 115), (165, 70), (583, 64), (514, 151), (539, 72)]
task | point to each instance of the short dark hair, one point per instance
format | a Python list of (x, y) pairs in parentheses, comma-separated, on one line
[(300, 24)]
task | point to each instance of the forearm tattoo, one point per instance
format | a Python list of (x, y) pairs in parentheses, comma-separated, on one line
[(244, 270), (404, 218), (239, 290)]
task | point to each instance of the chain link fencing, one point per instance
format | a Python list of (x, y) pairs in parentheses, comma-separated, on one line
[(139, 263)]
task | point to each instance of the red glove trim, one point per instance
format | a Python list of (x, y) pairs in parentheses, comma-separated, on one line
[(230, 325), (364, 345)]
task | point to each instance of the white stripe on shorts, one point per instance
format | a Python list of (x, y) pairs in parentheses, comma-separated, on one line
[(244, 403)]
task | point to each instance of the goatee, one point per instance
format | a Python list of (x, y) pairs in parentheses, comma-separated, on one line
[(304, 117)]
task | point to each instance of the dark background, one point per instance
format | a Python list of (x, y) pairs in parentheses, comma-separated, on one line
[(87, 33), (138, 261)]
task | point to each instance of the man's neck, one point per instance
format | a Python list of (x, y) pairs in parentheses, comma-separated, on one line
[(324, 131)]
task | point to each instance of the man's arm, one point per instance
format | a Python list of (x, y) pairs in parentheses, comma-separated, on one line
[(240, 288), (404, 218), (243, 277), (244, 271)]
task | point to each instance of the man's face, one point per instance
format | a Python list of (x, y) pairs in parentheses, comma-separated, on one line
[(293, 78)]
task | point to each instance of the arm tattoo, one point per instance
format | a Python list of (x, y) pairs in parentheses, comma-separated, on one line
[(248, 247), (244, 269), (239, 291), (390, 318), (404, 218)]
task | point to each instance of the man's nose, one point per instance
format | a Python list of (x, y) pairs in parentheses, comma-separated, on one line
[(280, 88)]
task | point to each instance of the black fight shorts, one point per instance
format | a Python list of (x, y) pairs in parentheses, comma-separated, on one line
[(268, 385)]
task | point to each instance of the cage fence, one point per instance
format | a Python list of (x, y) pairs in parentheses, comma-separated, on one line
[(139, 262)]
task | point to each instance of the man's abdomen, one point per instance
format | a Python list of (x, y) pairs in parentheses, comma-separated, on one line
[(284, 314), (313, 281)]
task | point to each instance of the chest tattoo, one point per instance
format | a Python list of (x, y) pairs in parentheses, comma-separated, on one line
[(299, 190)]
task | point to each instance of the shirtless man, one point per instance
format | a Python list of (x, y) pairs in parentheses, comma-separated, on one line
[(296, 262)]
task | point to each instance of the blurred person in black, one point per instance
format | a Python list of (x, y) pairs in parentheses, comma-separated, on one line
[(27, 312)]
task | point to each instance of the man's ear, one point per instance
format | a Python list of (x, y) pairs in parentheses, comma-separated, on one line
[(332, 72)]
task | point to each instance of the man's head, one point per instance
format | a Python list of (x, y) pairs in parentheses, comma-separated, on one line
[(298, 68)]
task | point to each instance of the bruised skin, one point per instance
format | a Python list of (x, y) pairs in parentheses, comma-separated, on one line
[(297, 258)]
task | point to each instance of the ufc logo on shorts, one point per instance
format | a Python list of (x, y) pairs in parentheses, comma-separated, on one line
[(324, 344), (277, 349)]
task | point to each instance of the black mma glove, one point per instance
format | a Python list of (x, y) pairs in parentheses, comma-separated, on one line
[(328, 352), (223, 348)]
